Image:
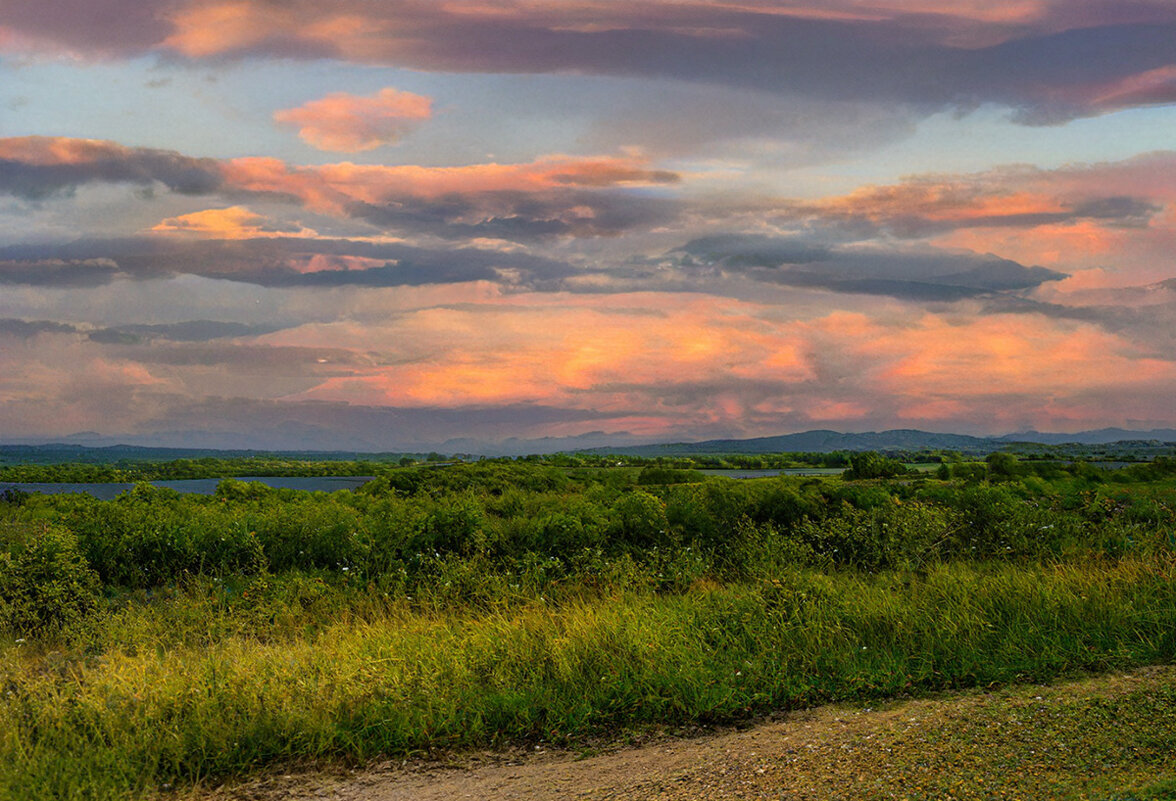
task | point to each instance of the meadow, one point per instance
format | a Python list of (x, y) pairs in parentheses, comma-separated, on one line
[(165, 641)]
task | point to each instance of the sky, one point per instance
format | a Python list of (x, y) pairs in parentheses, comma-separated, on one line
[(344, 224)]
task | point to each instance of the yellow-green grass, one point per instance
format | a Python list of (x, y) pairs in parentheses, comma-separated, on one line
[(139, 710)]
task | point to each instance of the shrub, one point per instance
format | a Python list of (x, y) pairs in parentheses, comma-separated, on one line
[(46, 585), (641, 520), (668, 475), (870, 464)]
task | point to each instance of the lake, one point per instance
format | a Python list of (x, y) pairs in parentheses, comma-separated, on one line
[(200, 486)]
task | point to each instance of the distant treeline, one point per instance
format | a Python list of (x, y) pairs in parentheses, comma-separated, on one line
[(410, 525), (206, 467), (860, 464)]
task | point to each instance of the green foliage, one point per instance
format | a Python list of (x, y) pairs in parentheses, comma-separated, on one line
[(640, 520), (870, 464), (46, 585), (1002, 466), (668, 475), (469, 603), (895, 535)]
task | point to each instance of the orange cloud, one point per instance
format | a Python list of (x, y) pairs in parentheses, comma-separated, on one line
[(1067, 246), (202, 30), (235, 222), (585, 351), (1073, 218), (331, 188), (928, 202), (1000, 355), (725, 363), (350, 124), (47, 151)]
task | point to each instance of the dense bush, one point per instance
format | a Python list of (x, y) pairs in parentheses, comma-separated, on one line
[(510, 514), (46, 585)]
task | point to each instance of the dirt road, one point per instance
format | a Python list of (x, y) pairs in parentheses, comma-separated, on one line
[(1065, 741)]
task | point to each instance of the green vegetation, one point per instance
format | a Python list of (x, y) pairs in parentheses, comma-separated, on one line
[(163, 638), (206, 467)]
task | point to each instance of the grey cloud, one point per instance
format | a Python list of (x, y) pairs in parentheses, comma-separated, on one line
[(27, 329), (112, 336), (933, 60), (906, 58), (1128, 212), (105, 26), (187, 331), (257, 359), (749, 250), (860, 222), (914, 274), (922, 275), (107, 163), (521, 216), (31, 169), (265, 262), (55, 272)]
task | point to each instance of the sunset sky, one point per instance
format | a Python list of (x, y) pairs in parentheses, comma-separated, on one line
[(385, 225)]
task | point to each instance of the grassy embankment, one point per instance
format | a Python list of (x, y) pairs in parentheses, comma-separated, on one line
[(553, 612)]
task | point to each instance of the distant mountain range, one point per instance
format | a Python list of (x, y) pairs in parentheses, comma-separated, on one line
[(96, 448), (823, 441)]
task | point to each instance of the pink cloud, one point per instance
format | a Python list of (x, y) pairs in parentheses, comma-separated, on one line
[(350, 124), (473, 193)]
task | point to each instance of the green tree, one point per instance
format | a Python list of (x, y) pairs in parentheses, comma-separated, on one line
[(871, 464)]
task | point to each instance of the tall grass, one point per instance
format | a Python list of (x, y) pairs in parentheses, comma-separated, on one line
[(399, 680)]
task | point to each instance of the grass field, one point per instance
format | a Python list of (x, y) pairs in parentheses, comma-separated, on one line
[(127, 677)]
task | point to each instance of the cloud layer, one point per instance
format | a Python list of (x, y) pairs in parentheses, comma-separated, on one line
[(661, 220), (1048, 60)]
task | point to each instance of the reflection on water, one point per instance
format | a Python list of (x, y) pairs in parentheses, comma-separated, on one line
[(200, 486)]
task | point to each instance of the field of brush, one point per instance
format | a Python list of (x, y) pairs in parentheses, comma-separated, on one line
[(165, 640)]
